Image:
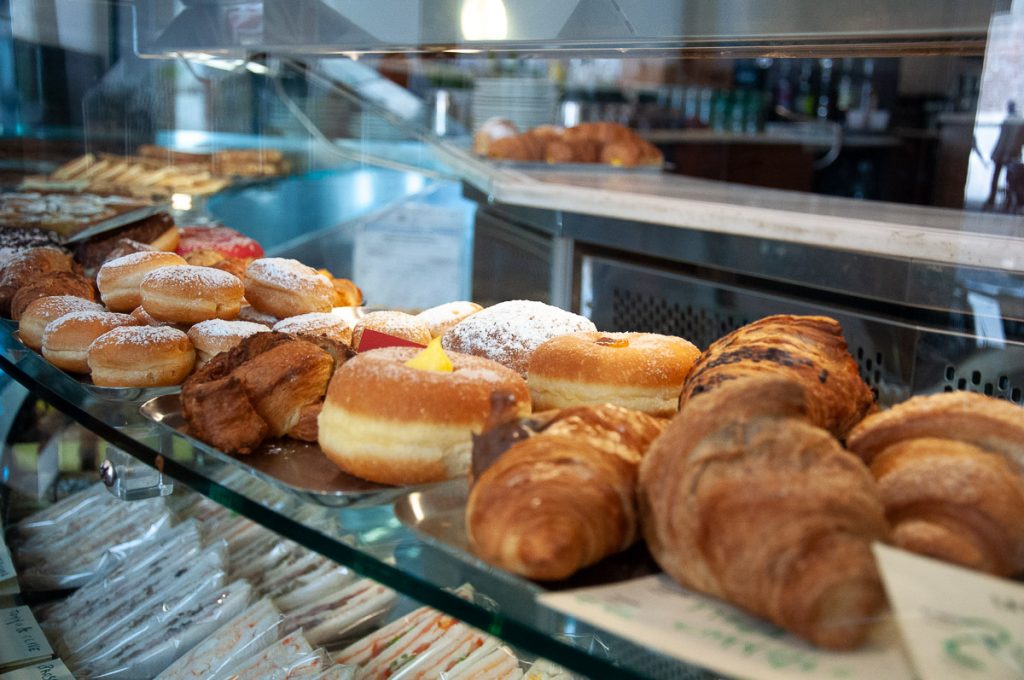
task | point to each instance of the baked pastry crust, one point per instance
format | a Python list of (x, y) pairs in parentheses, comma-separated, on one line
[(808, 349)]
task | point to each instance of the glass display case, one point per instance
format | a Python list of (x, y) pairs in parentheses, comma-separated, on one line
[(860, 160)]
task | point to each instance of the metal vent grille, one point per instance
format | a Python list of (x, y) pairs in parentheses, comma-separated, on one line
[(638, 311), (974, 380), (895, 359)]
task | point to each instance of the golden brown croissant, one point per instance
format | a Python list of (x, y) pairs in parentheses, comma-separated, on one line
[(950, 468), (742, 498), (808, 349), (564, 498)]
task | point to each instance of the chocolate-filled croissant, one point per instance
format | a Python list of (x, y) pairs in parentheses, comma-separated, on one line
[(564, 498), (742, 498), (808, 349), (950, 468)]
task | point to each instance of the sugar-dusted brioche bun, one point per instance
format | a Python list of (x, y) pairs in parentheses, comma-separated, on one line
[(44, 310), (282, 287), (66, 339), (141, 356), (189, 294), (119, 280), (214, 336)]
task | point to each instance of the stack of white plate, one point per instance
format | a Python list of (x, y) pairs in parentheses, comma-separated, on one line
[(527, 102)]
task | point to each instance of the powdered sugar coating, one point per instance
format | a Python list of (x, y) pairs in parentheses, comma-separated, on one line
[(222, 329), (55, 306), (317, 323), (397, 324), (102, 320), (189, 275), (509, 331), (439, 319), (389, 364), (132, 259), (287, 274), (140, 336)]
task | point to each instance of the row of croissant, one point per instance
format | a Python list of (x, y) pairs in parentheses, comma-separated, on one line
[(768, 487)]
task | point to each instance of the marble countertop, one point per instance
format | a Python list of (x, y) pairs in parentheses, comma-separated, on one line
[(917, 233)]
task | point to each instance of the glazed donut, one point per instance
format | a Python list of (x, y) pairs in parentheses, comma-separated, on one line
[(42, 311), (141, 356), (509, 331), (394, 424), (66, 339), (119, 280), (212, 337), (396, 324), (283, 287), (639, 371), (27, 266), (187, 294), (47, 285), (317, 323), (224, 240), (439, 319)]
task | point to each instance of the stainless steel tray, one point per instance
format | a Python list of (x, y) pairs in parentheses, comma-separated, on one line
[(438, 513), (300, 467), (123, 394)]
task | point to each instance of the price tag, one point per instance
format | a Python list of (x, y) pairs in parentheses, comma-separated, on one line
[(8, 577), (21, 640), (655, 612), (415, 256), (956, 623), (372, 339), (48, 670)]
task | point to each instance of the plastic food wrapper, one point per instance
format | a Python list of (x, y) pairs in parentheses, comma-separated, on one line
[(498, 663), (344, 614), (241, 638), (54, 518), (276, 661), (108, 628), (338, 672), (72, 560), (145, 567), (542, 669), (291, 592), (146, 655), (35, 533)]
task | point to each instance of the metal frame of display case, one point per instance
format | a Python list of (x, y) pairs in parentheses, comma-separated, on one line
[(625, 274)]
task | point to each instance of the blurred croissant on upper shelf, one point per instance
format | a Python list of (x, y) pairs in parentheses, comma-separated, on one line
[(608, 143)]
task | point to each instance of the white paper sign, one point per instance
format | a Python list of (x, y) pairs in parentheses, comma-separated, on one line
[(655, 612), (8, 577), (414, 257), (21, 640), (956, 623), (48, 670)]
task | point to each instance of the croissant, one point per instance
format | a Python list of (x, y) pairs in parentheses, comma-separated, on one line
[(564, 498), (742, 498), (950, 468), (808, 349)]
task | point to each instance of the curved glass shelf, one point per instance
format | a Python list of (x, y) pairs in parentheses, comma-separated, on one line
[(370, 540)]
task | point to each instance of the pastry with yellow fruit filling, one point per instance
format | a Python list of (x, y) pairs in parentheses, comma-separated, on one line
[(401, 415), (639, 371)]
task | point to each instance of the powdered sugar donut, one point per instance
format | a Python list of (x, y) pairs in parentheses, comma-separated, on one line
[(510, 331), (283, 287), (397, 324), (317, 323), (439, 319), (189, 294), (214, 336), (141, 356)]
